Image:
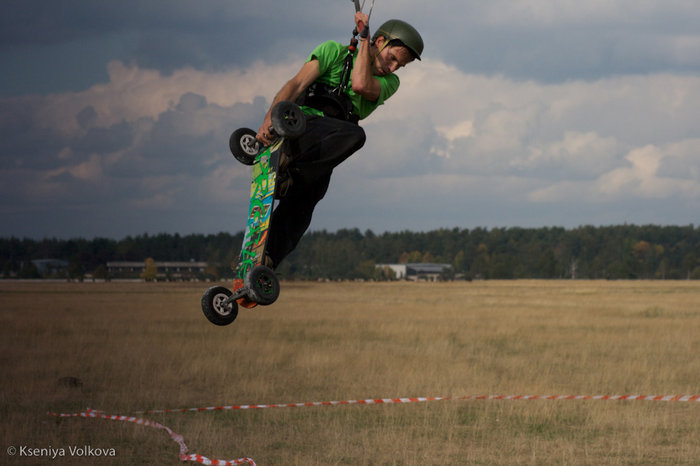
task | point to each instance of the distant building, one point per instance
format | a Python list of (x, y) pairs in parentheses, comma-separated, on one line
[(165, 270), (49, 267), (416, 272)]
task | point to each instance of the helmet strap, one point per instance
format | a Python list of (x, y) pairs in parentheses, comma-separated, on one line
[(384, 45)]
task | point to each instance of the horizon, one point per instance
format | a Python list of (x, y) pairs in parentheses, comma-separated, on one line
[(361, 231)]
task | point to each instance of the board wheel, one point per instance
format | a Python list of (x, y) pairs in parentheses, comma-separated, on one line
[(288, 120), (214, 308), (263, 285), (244, 146)]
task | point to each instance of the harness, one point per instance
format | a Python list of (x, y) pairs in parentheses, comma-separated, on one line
[(334, 103)]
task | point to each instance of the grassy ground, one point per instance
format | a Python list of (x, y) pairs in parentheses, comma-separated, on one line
[(145, 346)]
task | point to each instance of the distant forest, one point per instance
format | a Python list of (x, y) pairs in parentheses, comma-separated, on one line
[(587, 252)]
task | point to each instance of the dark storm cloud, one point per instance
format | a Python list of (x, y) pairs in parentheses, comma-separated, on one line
[(105, 140), (553, 41), (22, 141), (176, 143), (541, 40), (144, 172), (47, 42)]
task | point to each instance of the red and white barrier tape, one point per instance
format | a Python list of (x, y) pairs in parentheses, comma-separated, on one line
[(184, 456), (679, 398)]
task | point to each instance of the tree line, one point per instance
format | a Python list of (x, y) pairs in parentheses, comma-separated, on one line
[(586, 252)]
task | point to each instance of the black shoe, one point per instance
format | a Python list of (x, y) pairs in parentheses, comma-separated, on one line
[(284, 162), (283, 183), (284, 177), (268, 262)]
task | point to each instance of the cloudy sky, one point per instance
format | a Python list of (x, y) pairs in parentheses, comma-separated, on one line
[(115, 115)]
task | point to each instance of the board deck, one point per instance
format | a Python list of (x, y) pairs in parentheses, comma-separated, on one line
[(262, 196)]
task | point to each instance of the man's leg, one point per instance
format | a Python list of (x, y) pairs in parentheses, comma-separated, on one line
[(292, 217), (325, 144)]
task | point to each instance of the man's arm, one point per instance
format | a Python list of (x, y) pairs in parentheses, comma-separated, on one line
[(290, 91), (363, 81)]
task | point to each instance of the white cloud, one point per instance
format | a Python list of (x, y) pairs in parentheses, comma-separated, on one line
[(576, 155), (134, 93), (622, 139), (640, 177), (559, 12)]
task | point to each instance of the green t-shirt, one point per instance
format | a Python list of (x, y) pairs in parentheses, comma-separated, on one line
[(330, 56)]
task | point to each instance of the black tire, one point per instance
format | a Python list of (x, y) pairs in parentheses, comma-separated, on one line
[(213, 308), (287, 119), (244, 146), (263, 285)]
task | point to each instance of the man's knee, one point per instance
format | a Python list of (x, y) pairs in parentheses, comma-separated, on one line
[(359, 137)]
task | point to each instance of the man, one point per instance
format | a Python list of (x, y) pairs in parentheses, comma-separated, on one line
[(332, 133)]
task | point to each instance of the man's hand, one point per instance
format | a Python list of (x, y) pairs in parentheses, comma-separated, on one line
[(290, 91), (265, 133), (362, 23)]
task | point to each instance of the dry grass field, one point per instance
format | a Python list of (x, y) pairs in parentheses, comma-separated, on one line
[(140, 346)]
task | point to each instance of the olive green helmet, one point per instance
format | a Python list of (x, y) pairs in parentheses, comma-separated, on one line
[(398, 30)]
